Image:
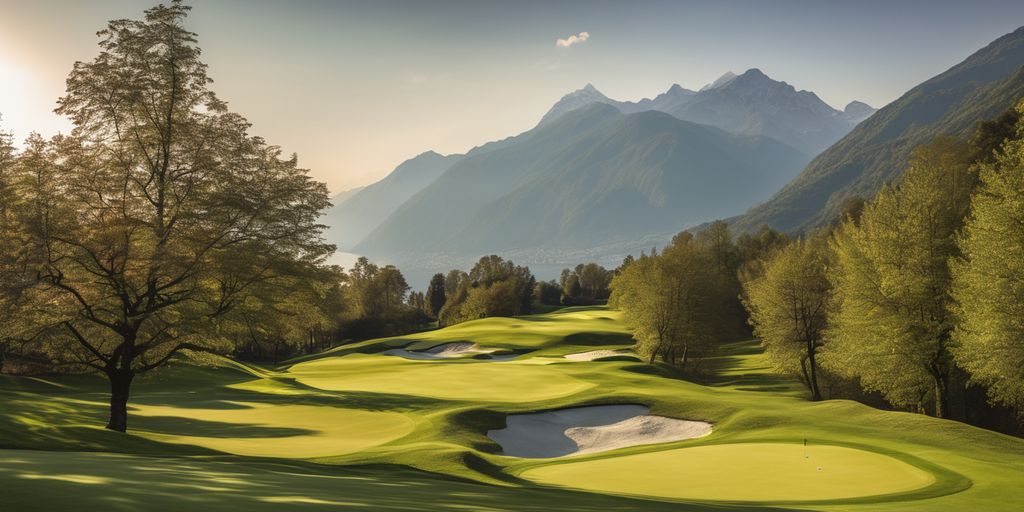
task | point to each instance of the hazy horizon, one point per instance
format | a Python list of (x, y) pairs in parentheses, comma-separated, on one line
[(356, 88)]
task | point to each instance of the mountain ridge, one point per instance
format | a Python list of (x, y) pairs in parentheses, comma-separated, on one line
[(594, 175), (983, 85), (751, 103)]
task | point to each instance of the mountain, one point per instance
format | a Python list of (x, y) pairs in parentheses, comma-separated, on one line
[(981, 87), (577, 99), (746, 104), (672, 99), (592, 176), (344, 195), (857, 111), (754, 104), (352, 218)]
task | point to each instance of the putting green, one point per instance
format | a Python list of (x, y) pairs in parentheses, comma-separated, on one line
[(271, 430), (481, 381), (741, 472)]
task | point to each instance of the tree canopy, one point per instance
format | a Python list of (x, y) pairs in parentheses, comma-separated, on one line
[(158, 215)]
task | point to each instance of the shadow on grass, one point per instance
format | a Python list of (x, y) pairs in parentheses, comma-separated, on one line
[(597, 339), (178, 425), (92, 481)]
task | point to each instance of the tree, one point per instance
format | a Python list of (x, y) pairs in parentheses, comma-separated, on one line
[(453, 281), (571, 289), (10, 277), (988, 279), (436, 294), (450, 314), (160, 214), (787, 305), (277, 320), (892, 326), (493, 287), (718, 239), (594, 280), (547, 293), (393, 287), (674, 302), (758, 246)]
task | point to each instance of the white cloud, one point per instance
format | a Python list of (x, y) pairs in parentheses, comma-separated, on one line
[(571, 40)]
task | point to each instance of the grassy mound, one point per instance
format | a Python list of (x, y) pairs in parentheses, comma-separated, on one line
[(354, 428), (759, 472)]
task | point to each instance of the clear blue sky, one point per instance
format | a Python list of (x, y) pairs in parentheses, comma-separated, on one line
[(357, 87)]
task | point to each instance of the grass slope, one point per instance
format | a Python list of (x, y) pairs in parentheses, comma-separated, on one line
[(349, 428)]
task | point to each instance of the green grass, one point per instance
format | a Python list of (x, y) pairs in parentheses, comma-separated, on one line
[(781, 472), (348, 428)]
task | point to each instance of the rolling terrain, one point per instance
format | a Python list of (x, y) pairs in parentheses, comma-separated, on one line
[(362, 426)]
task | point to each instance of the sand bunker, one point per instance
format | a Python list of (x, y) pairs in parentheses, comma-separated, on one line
[(598, 354), (581, 430), (451, 351)]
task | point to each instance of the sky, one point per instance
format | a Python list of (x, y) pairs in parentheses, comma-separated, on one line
[(355, 88)]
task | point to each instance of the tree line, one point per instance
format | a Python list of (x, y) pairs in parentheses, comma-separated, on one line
[(912, 299), (684, 302)]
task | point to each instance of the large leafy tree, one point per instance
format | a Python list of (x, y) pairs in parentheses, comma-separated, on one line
[(160, 214), (675, 302), (787, 301), (892, 326), (988, 280)]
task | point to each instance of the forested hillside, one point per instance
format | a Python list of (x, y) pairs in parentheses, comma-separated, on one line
[(981, 87)]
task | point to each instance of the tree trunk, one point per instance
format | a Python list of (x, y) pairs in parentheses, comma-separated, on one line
[(120, 386), (941, 396), (813, 377)]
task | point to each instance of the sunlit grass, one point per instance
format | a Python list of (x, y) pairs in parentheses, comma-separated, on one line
[(212, 427)]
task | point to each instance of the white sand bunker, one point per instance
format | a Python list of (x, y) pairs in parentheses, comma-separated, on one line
[(581, 430), (598, 354), (450, 351)]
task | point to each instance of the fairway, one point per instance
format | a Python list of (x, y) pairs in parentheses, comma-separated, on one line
[(273, 430), (742, 472), (356, 429), (475, 380)]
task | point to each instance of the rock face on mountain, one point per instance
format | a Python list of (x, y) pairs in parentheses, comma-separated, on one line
[(353, 217), (746, 104), (981, 87), (591, 176), (577, 99)]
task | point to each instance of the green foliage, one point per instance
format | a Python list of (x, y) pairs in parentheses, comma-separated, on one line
[(675, 302), (376, 291), (585, 284), (571, 289), (547, 293), (436, 294), (493, 287), (454, 280), (10, 276), (989, 278), (787, 302), (158, 216), (891, 325), (981, 87)]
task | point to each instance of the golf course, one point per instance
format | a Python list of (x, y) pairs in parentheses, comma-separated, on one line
[(491, 414)]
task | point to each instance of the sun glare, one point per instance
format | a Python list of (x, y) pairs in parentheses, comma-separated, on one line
[(12, 91)]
